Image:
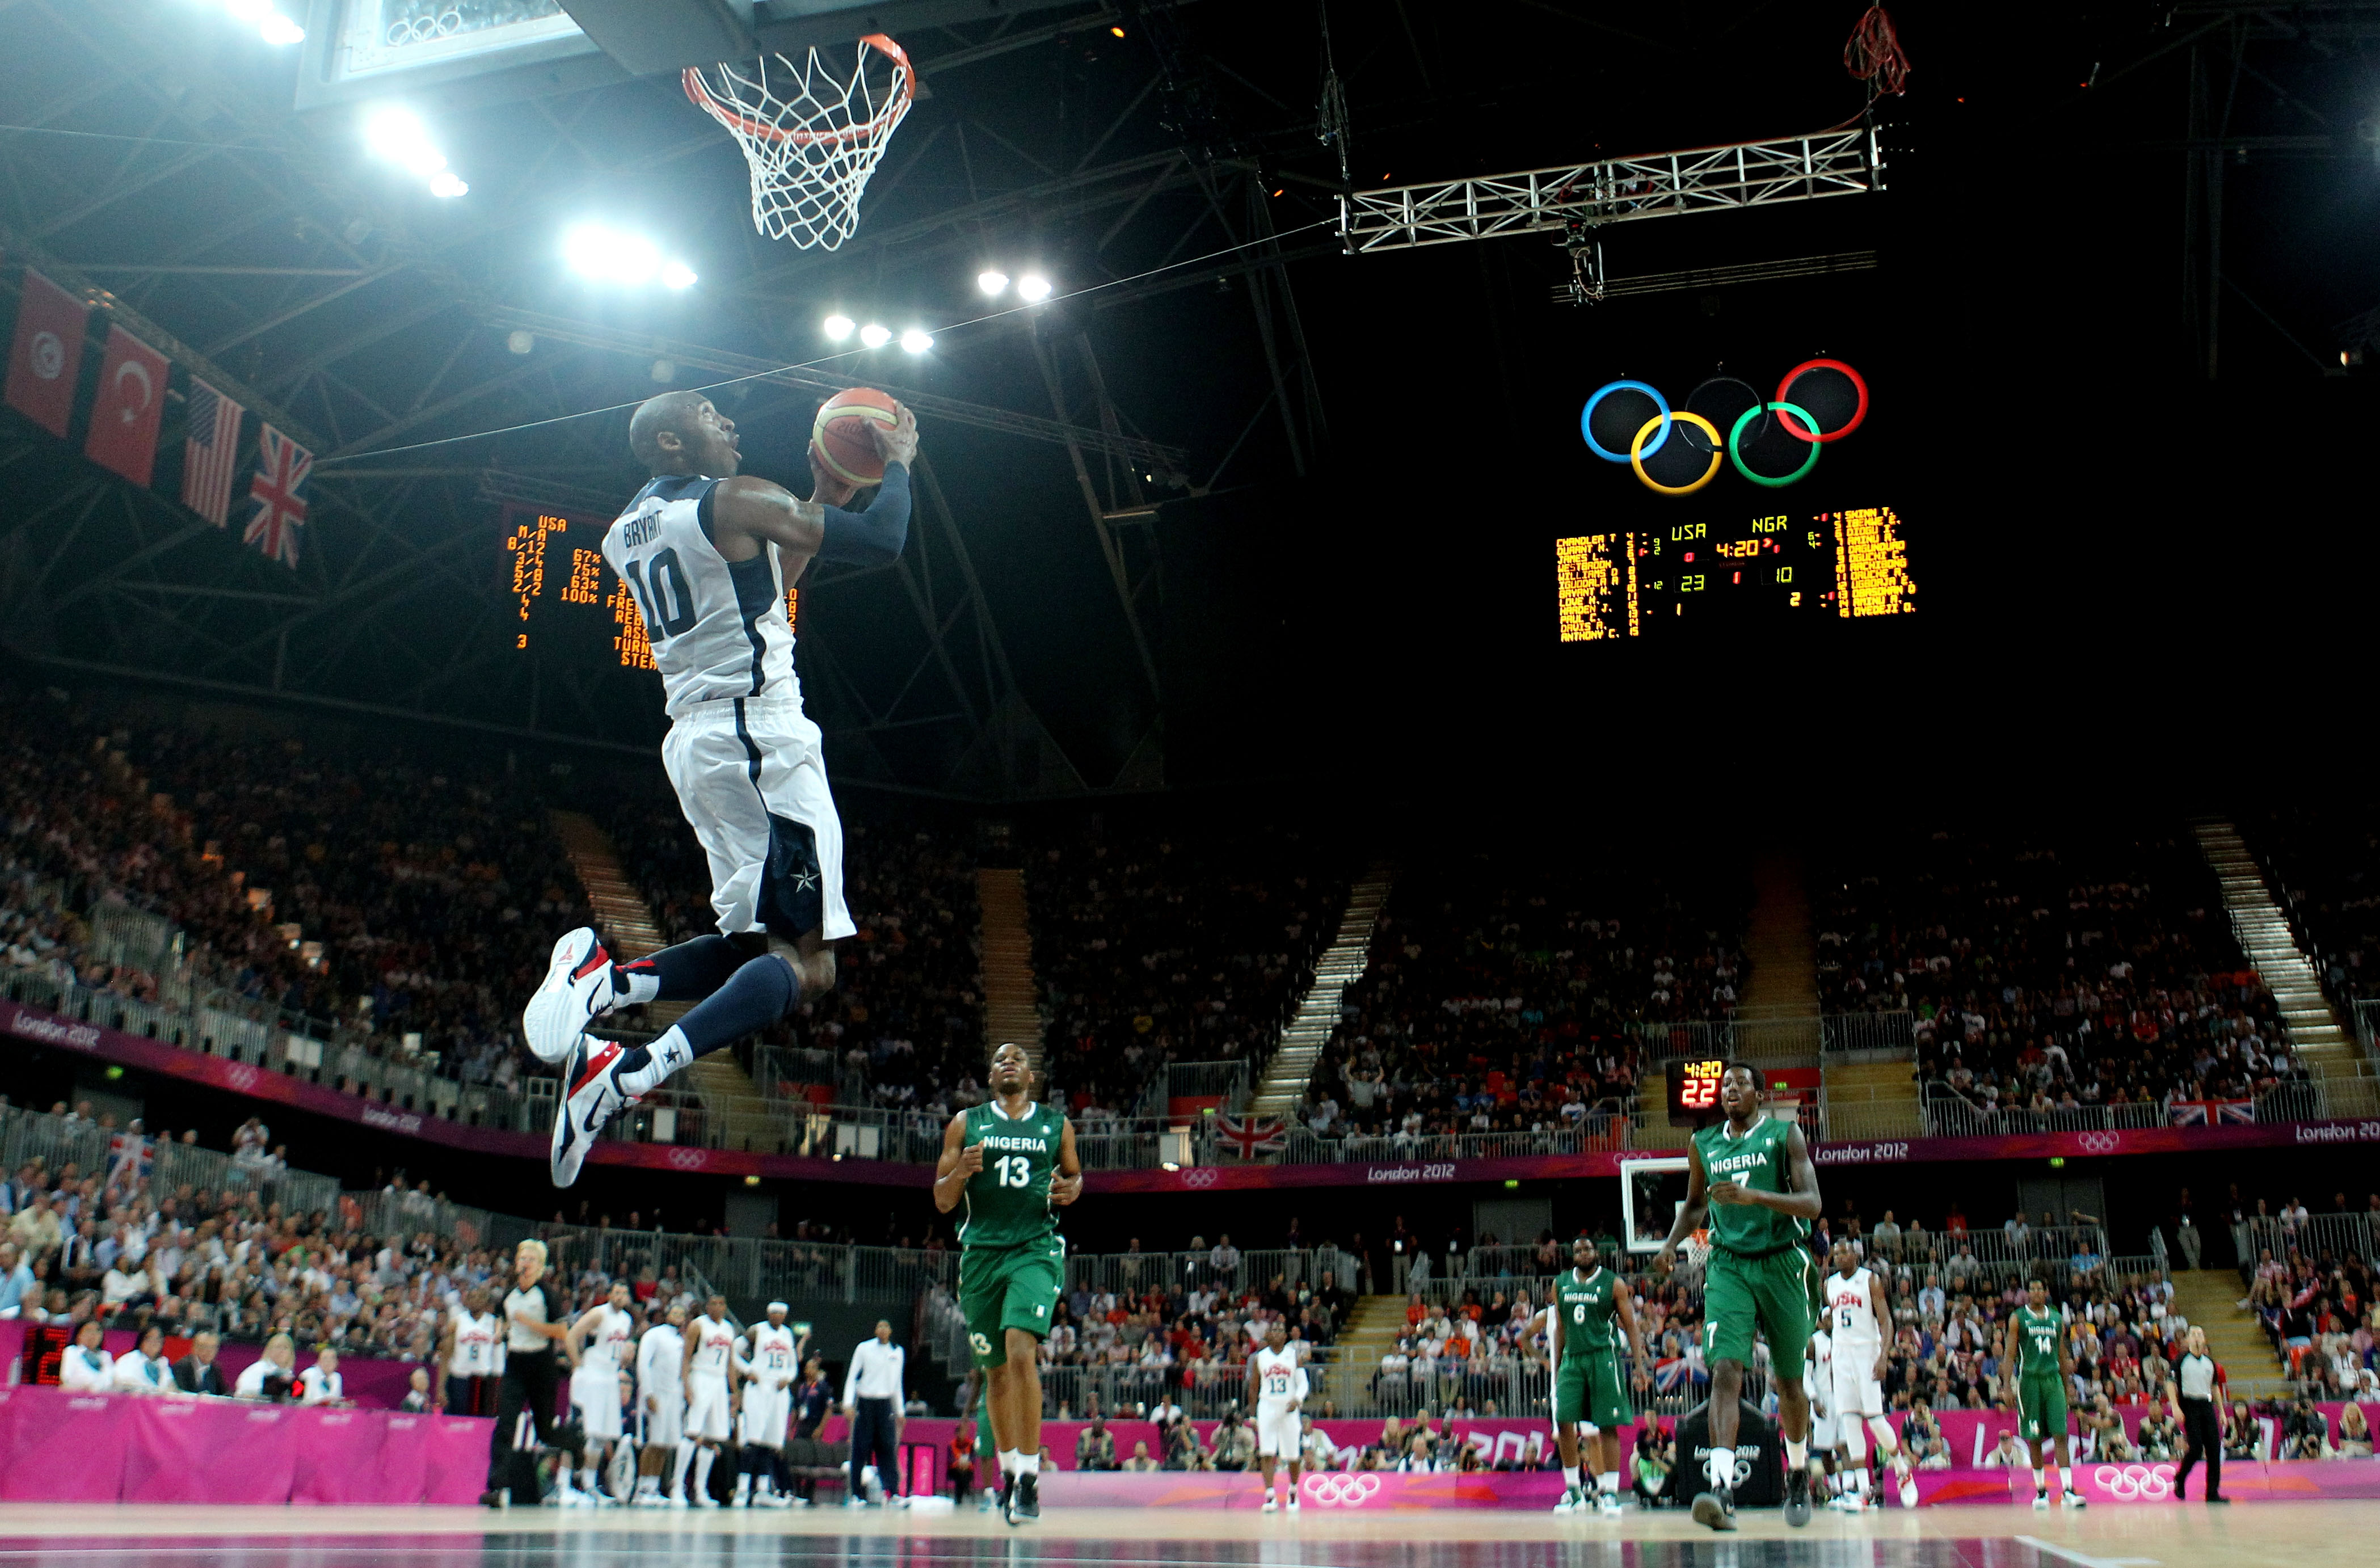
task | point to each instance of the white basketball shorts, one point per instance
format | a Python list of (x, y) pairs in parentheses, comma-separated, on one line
[(595, 1394), (1280, 1433), (706, 1408), (766, 1410), (666, 1426), (1822, 1434), (752, 780), (1854, 1393)]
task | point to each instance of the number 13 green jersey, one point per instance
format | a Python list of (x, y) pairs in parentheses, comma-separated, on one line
[(1008, 1201)]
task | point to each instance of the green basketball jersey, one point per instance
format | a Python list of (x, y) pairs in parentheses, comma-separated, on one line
[(1757, 1160), (1588, 1307), (2037, 1335), (1008, 1201)]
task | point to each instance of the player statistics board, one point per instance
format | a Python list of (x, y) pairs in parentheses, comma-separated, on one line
[(565, 602), (1670, 578)]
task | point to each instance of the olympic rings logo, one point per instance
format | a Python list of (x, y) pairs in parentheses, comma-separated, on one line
[(1197, 1177), (2102, 1143), (243, 1078), (688, 1158), (1343, 1490), (2129, 1483), (1733, 402)]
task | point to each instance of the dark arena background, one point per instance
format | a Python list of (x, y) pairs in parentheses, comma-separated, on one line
[(1488, 599)]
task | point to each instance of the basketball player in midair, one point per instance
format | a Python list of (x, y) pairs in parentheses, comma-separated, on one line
[(706, 556), (2036, 1346), (1011, 1161), (1751, 1176), (1589, 1387), (1859, 1319)]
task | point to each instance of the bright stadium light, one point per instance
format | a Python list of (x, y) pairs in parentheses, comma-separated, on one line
[(837, 328), (446, 185), (278, 31), (875, 337), (677, 274), (917, 340), (1033, 288), (612, 256), (396, 136), (991, 280)]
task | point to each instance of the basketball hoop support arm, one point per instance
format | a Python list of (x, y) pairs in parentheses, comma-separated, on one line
[(1583, 197)]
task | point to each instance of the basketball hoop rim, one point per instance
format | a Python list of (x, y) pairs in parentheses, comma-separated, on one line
[(698, 92)]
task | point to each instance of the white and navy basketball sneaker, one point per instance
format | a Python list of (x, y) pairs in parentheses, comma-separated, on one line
[(577, 985), (591, 1096)]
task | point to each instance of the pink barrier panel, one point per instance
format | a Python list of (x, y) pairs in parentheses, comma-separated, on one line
[(1375, 1491), (338, 1457), (58, 1447), (2135, 1485)]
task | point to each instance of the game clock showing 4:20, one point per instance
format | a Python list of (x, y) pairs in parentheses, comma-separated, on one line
[(1693, 1087), (1670, 575)]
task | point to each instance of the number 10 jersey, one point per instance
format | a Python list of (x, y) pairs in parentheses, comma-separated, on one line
[(1008, 1201), (717, 627)]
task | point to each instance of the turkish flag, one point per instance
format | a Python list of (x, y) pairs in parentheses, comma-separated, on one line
[(47, 358), (131, 400)]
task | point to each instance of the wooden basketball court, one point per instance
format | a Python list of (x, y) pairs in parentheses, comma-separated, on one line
[(2305, 1535)]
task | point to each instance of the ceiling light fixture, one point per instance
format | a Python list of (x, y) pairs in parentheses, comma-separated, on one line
[(875, 337), (837, 327), (992, 281), (1033, 288), (917, 340)]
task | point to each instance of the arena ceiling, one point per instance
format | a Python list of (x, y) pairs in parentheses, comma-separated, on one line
[(1033, 642)]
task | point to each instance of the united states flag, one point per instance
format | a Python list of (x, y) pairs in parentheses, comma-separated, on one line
[(278, 490), (209, 452)]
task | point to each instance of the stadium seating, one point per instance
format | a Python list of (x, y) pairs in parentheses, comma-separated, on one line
[(2324, 866)]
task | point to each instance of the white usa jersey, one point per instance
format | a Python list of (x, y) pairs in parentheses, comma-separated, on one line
[(773, 1354), (714, 1343), (718, 627), (1817, 1371), (1279, 1376), (1851, 1312), (609, 1342)]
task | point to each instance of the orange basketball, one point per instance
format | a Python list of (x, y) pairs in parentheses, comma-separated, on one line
[(840, 438)]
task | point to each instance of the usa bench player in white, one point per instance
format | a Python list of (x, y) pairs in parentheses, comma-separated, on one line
[(1277, 1388), (707, 556), (1859, 1320), (597, 1342), (769, 1372), (661, 1411), (710, 1368)]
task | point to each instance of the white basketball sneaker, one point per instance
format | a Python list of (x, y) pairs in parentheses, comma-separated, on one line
[(577, 986), (592, 1096), (1607, 1505)]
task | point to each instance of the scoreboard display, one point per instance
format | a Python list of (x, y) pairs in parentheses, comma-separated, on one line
[(1693, 1090), (566, 602), (1754, 565)]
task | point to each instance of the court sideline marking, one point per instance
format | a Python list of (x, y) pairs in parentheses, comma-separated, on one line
[(2083, 1559)]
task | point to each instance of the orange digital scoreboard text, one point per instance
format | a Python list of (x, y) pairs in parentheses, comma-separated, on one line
[(1660, 580), (566, 602)]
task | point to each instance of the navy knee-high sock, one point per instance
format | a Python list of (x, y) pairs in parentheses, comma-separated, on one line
[(756, 996), (687, 972)]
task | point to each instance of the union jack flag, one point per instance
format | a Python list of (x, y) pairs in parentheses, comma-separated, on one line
[(128, 1156), (1252, 1137), (278, 490), (2207, 1113)]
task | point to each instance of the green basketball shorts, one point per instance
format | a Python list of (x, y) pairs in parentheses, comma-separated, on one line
[(2041, 1407), (1592, 1387), (1773, 1294), (1004, 1288)]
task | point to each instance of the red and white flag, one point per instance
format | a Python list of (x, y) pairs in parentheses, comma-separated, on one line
[(211, 452), (131, 400), (47, 358), (278, 490), (1250, 1136)]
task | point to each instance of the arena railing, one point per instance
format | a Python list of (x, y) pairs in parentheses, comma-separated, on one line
[(95, 1152), (2334, 1236), (1778, 1040)]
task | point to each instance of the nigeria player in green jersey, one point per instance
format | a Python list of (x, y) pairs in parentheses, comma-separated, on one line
[(2035, 1358), (1589, 1386), (1010, 1163), (1750, 1175)]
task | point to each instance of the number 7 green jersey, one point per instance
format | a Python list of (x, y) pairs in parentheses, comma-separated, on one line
[(1008, 1201)]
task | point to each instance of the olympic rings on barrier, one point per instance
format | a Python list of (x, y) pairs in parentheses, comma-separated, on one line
[(1784, 390), (1638, 451), (1799, 422), (1587, 418), (1735, 452), (1343, 1490), (2126, 1483)]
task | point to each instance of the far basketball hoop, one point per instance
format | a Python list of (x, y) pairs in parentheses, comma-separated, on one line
[(812, 133)]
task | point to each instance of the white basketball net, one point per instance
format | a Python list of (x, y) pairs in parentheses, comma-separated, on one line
[(812, 136)]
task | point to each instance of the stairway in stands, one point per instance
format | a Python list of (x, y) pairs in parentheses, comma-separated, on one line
[(1371, 1328), (1340, 966), (726, 1091), (2209, 1298), (1011, 1009), (2329, 1051)]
